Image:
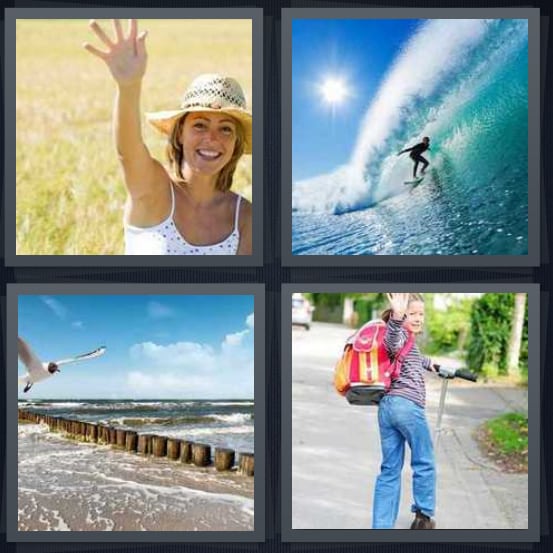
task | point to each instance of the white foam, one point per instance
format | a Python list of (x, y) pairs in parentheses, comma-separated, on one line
[(29, 429), (153, 492), (203, 431), (68, 404), (60, 523), (232, 403), (235, 418), (96, 518)]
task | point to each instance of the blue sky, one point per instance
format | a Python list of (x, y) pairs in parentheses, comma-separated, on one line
[(359, 52), (158, 347)]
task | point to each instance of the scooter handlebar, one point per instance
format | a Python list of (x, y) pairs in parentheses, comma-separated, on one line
[(448, 372), (466, 375)]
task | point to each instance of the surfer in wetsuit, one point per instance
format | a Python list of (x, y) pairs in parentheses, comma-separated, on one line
[(415, 155)]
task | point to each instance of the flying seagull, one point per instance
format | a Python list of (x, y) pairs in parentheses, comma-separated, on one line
[(37, 370)]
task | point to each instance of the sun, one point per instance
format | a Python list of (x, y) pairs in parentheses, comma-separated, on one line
[(334, 91)]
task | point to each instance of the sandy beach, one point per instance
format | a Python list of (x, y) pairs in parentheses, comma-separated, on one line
[(70, 486)]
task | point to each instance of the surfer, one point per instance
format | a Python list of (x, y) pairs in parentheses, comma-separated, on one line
[(415, 155)]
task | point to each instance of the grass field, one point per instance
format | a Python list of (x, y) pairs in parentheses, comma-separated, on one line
[(69, 188)]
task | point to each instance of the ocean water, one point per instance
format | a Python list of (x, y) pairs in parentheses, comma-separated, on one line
[(470, 96), (219, 423)]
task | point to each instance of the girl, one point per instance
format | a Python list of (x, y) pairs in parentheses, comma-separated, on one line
[(401, 418), (188, 209)]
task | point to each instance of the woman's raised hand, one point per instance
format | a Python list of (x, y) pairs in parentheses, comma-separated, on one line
[(399, 303), (126, 56)]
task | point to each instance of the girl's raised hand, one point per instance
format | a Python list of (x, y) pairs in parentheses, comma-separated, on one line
[(126, 55), (399, 303)]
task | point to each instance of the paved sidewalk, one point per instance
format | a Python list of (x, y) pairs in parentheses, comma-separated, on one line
[(336, 449)]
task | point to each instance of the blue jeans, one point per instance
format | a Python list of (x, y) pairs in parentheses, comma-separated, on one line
[(400, 420)]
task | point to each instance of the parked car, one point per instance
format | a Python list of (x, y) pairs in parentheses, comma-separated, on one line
[(302, 311)]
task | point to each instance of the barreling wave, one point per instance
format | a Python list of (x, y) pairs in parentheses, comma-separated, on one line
[(464, 83)]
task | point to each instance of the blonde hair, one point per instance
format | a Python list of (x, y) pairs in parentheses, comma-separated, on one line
[(387, 313), (175, 156)]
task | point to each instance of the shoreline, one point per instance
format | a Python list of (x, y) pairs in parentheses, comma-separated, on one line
[(72, 485)]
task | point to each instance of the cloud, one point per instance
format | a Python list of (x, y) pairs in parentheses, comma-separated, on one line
[(60, 310), (55, 306), (185, 355), (192, 370), (234, 384), (235, 339), (157, 310), (169, 383)]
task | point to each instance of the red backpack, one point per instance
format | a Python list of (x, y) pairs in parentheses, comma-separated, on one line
[(365, 372)]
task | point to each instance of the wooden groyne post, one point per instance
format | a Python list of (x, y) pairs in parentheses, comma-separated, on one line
[(224, 459), (144, 444), (185, 454), (159, 446), (201, 455), (246, 465), (175, 449), (131, 440)]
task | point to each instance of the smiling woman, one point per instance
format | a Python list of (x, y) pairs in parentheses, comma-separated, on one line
[(69, 186), (188, 209)]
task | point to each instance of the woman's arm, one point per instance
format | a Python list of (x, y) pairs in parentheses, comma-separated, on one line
[(245, 225), (144, 177)]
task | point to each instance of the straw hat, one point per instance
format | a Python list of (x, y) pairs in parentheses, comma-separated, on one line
[(209, 92)]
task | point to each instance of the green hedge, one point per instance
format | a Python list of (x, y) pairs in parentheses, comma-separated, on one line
[(491, 320)]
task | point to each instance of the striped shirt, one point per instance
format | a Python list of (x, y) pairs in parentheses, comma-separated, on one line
[(410, 382)]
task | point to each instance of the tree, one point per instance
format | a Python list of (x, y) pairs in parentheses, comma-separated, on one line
[(515, 339), (491, 334), (447, 322)]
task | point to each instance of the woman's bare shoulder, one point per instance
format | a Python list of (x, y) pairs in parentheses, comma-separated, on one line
[(245, 226), (245, 209)]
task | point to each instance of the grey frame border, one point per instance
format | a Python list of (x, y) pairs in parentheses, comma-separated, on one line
[(532, 534), (256, 535), (12, 259), (534, 133)]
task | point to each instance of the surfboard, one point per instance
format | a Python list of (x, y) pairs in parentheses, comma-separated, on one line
[(414, 181)]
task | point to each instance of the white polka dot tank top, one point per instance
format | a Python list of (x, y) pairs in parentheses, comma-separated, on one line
[(165, 239)]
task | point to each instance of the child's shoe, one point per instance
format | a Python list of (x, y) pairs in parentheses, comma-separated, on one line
[(423, 522)]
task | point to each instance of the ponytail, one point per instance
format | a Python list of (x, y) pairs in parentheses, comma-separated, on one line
[(386, 314)]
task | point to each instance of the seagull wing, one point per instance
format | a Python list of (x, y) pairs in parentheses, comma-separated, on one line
[(83, 356), (30, 360)]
